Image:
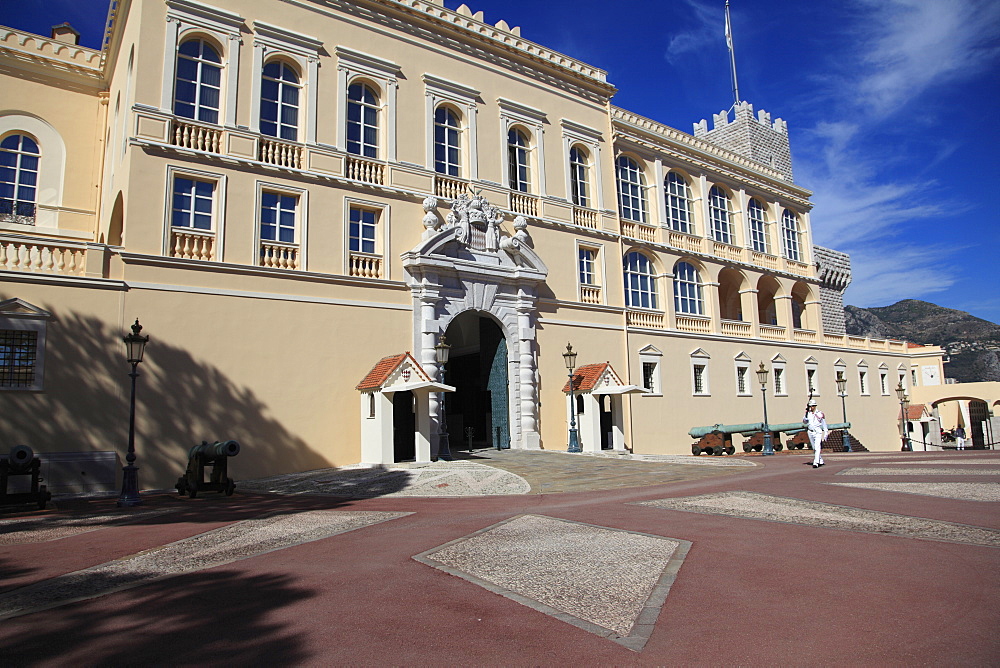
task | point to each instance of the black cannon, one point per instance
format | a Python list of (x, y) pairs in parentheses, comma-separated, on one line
[(215, 455), (22, 461)]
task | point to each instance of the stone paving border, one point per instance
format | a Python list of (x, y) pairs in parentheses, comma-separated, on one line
[(218, 547), (53, 527), (755, 506), (634, 620), (962, 491), (935, 470)]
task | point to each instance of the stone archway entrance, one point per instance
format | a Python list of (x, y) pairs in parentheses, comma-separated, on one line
[(478, 370)]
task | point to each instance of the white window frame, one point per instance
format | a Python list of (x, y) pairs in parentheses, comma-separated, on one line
[(51, 170), (384, 74), (438, 92), (883, 379), (758, 226), (301, 219), (590, 140), (791, 236), (651, 355), (671, 199), (864, 387), (641, 186), (743, 362), (20, 316), (840, 369), (724, 232), (779, 370), (187, 18), (812, 364), (698, 289), (382, 248), (218, 206), (700, 358), (514, 114), (271, 42), (653, 289), (599, 268)]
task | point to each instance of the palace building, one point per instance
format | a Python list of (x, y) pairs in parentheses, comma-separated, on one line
[(299, 199)]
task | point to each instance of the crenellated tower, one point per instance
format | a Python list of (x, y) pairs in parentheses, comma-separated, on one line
[(834, 271), (757, 138)]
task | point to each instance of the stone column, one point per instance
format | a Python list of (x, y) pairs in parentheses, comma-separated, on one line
[(429, 329), (530, 438)]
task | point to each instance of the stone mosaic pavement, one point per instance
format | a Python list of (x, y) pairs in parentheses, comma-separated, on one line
[(536, 558)]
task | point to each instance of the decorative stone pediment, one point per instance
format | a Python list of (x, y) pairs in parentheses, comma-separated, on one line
[(743, 357), (18, 308)]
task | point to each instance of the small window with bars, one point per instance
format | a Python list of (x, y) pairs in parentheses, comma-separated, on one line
[(649, 377), (741, 380), (700, 386), (18, 357)]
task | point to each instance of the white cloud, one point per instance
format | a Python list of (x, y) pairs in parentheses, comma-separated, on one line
[(883, 275), (708, 31)]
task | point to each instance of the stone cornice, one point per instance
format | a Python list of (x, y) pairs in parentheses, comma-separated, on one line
[(66, 59)]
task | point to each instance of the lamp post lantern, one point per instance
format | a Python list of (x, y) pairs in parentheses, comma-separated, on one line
[(904, 407), (842, 393), (442, 351), (135, 346), (569, 357), (762, 374)]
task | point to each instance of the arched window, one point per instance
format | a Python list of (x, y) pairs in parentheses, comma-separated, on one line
[(518, 161), (640, 281), (447, 142), (579, 178), (790, 235), (362, 121), (631, 189), (19, 158), (718, 213), (678, 202), (757, 220), (279, 101), (197, 89), (687, 290)]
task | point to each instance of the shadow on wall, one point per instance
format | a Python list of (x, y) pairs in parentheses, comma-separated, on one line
[(180, 402)]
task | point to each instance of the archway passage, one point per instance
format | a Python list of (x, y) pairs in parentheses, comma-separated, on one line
[(477, 369)]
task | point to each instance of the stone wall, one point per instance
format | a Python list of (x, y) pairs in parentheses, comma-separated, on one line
[(834, 271)]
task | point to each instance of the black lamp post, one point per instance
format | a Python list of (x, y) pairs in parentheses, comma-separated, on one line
[(762, 374), (135, 346), (574, 442), (842, 392), (904, 406), (442, 350)]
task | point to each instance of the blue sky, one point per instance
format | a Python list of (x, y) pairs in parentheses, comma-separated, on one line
[(890, 104)]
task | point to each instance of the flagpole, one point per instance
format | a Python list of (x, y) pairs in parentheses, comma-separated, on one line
[(732, 55)]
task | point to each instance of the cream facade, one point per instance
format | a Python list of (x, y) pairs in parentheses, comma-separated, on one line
[(286, 194)]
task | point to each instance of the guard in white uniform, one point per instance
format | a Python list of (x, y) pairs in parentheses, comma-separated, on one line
[(815, 422)]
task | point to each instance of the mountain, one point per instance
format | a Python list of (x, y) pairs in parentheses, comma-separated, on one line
[(972, 344)]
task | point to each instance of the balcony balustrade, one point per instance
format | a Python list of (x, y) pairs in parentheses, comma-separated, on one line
[(366, 171), (694, 324), (736, 328), (449, 188), (647, 319), (42, 257), (280, 153), (772, 332), (191, 244), (364, 265), (195, 136), (590, 294), (585, 217), (524, 204), (639, 231), (276, 255)]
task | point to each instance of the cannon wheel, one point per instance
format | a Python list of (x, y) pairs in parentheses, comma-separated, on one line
[(730, 450), (230, 487), (777, 447), (695, 450), (747, 447), (718, 450)]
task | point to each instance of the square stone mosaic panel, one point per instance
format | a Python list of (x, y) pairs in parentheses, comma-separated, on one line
[(606, 581)]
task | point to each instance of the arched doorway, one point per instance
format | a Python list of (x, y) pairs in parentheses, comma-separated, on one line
[(477, 368)]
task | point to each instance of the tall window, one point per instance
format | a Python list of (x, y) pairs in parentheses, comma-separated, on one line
[(447, 142), (779, 380), (197, 89), (699, 379), (362, 121), (578, 176), (718, 213), (193, 203), (678, 202), (790, 235), (863, 381), (631, 189), (277, 217), (649, 377), (17, 358), (811, 381), (279, 101), (19, 157), (687, 290), (741, 380), (640, 281), (758, 226), (517, 161), (362, 230), (587, 257)]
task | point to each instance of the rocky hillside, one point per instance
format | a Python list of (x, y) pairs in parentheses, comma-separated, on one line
[(972, 344)]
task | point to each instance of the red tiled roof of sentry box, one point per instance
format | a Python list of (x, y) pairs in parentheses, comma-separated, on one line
[(915, 412), (585, 377), (380, 373)]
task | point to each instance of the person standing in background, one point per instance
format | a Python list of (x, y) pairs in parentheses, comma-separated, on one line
[(815, 422)]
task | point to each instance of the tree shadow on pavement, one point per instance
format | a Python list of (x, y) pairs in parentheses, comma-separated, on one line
[(207, 618)]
